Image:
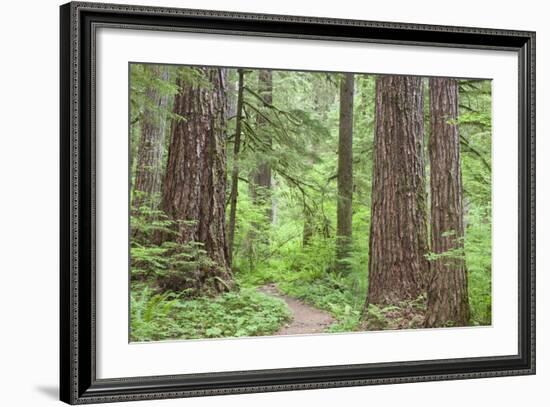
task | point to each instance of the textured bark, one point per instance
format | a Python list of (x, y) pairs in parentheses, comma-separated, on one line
[(448, 288), (345, 174), (235, 170), (398, 230), (148, 178), (194, 186)]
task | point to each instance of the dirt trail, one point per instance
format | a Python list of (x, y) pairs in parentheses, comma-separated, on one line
[(306, 319)]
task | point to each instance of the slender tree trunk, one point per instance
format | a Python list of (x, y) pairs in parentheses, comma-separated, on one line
[(398, 231), (148, 178), (345, 174), (309, 226), (448, 288), (235, 170), (194, 186), (260, 177)]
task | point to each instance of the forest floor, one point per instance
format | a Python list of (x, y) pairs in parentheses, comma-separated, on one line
[(305, 318)]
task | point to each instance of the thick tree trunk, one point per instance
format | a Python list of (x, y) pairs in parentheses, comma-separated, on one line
[(448, 288), (235, 170), (345, 174), (398, 231), (194, 186), (148, 178)]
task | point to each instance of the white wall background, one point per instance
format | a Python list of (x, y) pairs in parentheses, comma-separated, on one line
[(29, 163)]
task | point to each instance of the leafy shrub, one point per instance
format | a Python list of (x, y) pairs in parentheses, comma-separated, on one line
[(168, 316), (173, 266), (331, 293), (152, 315), (405, 315), (478, 261)]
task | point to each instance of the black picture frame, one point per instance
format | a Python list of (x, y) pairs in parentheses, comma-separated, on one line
[(78, 382)]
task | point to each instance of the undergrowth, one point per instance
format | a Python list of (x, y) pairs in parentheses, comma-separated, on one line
[(307, 273), (405, 315), (478, 262), (164, 316)]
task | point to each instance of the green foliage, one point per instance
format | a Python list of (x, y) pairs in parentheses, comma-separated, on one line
[(405, 315), (306, 271), (151, 315), (253, 232), (450, 255), (475, 141), (297, 136), (146, 221), (168, 258), (475, 125), (168, 316), (333, 294), (168, 261), (478, 260), (143, 78)]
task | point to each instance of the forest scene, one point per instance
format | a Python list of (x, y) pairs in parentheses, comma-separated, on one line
[(276, 202)]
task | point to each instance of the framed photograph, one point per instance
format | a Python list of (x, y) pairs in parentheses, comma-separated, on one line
[(254, 203)]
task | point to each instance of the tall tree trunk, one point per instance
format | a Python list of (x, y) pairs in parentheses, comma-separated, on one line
[(448, 288), (235, 170), (309, 225), (148, 178), (345, 174), (260, 177), (194, 186), (398, 231)]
